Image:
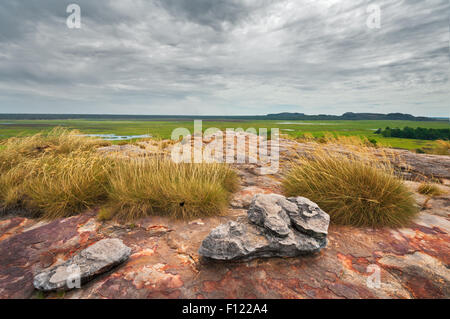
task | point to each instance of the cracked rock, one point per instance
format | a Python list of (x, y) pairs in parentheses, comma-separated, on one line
[(275, 226), (88, 263)]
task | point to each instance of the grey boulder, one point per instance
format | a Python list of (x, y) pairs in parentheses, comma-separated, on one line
[(275, 226), (88, 263)]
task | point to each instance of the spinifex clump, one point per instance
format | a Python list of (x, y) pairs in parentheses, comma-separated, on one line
[(61, 173), (357, 189), (140, 187)]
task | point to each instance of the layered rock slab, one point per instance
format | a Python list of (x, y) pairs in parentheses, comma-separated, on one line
[(275, 226), (90, 262)]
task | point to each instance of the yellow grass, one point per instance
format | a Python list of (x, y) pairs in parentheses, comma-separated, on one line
[(330, 138), (442, 148), (356, 188), (53, 175), (63, 185), (141, 187), (60, 174), (429, 189)]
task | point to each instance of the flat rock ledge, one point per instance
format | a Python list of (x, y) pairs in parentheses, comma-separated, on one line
[(88, 263), (275, 226)]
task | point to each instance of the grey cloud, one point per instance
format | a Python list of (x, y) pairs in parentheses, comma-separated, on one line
[(224, 57), (206, 12)]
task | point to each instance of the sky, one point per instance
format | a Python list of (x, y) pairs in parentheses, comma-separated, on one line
[(230, 57)]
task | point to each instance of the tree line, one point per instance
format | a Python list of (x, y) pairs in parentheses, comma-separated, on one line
[(419, 133)]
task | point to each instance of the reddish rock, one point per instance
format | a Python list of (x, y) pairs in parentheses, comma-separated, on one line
[(244, 197), (167, 265), (22, 253), (164, 263)]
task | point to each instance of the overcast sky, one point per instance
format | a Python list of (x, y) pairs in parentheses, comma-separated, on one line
[(228, 57)]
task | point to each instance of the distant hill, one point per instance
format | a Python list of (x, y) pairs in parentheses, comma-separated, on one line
[(350, 116), (278, 116)]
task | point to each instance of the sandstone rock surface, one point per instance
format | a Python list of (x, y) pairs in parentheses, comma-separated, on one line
[(92, 261), (275, 226), (165, 263)]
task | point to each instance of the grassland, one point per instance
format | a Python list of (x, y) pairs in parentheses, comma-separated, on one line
[(60, 173), (163, 129)]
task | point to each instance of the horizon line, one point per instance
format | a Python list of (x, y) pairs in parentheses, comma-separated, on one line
[(221, 115)]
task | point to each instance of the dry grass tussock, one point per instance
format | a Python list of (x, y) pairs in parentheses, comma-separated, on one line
[(59, 174), (429, 189), (442, 148), (355, 187), (329, 138), (57, 141), (141, 187)]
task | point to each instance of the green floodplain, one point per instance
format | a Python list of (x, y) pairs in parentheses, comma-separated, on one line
[(163, 128)]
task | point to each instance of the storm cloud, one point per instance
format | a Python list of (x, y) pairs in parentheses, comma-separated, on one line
[(224, 57)]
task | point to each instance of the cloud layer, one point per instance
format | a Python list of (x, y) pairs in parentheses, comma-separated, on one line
[(224, 57)]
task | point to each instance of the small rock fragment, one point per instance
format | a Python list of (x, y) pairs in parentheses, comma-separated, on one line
[(88, 263), (308, 218), (266, 212)]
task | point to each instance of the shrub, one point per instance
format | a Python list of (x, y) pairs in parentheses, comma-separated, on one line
[(429, 189), (417, 133), (355, 189), (141, 187)]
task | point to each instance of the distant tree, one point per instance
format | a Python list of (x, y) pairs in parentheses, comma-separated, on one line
[(386, 132), (416, 133)]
